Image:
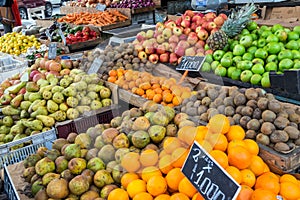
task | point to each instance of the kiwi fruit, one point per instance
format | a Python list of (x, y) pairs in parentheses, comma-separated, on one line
[(252, 103), (244, 121), (283, 114), (268, 116), (190, 104), (281, 122), (251, 94), (204, 117), (218, 101), (256, 113), (279, 136), (294, 117), (262, 139), (292, 132), (201, 94), (239, 109), (237, 117), (239, 99), (191, 111), (293, 124), (253, 124), (202, 109), (212, 105), (229, 111), (247, 111), (206, 101), (212, 112), (197, 103), (222, 95), (297, 142), (228, 101), (267, 128), (212, 94), (250, 134), (274, 106), (221, 109), (270, 96), (231, 121), (262, 103), (280, 147)]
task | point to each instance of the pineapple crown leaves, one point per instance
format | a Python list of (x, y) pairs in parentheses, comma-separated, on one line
[(238, 20)]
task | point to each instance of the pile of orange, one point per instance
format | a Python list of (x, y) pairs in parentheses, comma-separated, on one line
[(158, 89), (156, 175)]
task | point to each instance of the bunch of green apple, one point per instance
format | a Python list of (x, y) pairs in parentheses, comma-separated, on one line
[(255, 52)]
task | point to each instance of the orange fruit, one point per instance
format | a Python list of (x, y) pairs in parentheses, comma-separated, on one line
[(145, 85), (167, 97), (235, 132), (135, 187), (165, 163), (201, 133), (219, 124), (197, 196), (179, 156), (162, 153), (140, 91), (288, 178), (261, 194), (130, 162), (179, 196), (235, 173), (235, 143), (257, 165), (239, 157), (162, 197), (143, 196), (150, 171), (157, 185), (206, 145), (158, 90), (245, 193), (268, 181), (220, 157), (290, 190), (187, 134), (170, 144), (118, 194), (186, 187), (157, 98), (220, 143), (248, 177), (150, 94), (112, 79), (174, 177), (266, 168), (252, 146), (127, 178), (148, 157), (112, 72), (155, 85), (177, 100)]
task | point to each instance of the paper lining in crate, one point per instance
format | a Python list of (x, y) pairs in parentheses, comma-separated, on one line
[(10, 66), (9, 154)]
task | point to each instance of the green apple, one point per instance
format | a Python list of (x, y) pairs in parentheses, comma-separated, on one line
[(205, 67), (272, 38), (297, 29), (265, 82), (238, 50), (246, 40), (226, 61), (266, 33), (206, 47), (296, 64), (228, 54), (214, 65), (209, 58), (265, 74), (292, 35), (261, 53), (218, 54), (254, 43), (273, 48), (255, 79), (292, 45), (285, 63), (252, 25), (230, 70), (220, 71), (287, 30), (245, 32), (232, 45), (252, 49), (272, 58), (285, 54), (296, 54), (236, 74), (254, 36), (261, 42), (236, 60), (282, 35), (271, 66), (298, 42), (248, 56), (258, 69), (277, 27), (258, 60), (264, 28), (226, 48), (244, 64), (246, 76)]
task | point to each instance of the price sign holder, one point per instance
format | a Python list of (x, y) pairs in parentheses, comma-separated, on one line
[(97, 63), (208, 177), (101, 7), (52, 51), (48, 35), (63, 38), (190, 63)]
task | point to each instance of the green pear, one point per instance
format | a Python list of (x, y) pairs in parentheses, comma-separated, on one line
[(83, 109), (69, 92), (25, 105), (42, 110), (72, 102), (58, 97), (8, 121), (59, 116), (57, 88), (96, 105), (32, 87), (72, 113), (42, 82), (9, 110), (34, 96), (52, 106), (63, 106), (46, 120), (36, 104), (15, 102)]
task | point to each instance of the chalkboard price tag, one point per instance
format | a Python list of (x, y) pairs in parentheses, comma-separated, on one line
[(52, 51), (101, 7), (95, 66), (191, 63), (208, 177)]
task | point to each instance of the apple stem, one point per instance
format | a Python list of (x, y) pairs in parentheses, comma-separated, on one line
[(183, 76)]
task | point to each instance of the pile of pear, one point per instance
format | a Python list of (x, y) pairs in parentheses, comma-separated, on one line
[(50, 100), (89, 165)]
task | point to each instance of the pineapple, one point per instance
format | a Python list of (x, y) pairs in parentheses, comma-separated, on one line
[(235, 23)]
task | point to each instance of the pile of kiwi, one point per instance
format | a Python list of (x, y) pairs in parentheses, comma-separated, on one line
[(114, 57), (265, 119)]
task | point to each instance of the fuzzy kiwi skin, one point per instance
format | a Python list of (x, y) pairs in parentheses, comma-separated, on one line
[(281, 146), (253, 124), (262, 103), (228, 101), (267, 128), (279, 136), (239, 99), (244, 120), (251, 94), (263, 139), (229, 111), (247, 111), (293, 132), (281, 122), (274, 105), (250, 134), (268, 116)]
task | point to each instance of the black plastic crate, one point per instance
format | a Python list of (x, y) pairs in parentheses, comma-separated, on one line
[(80, 125), (292, 81), (277, 80)]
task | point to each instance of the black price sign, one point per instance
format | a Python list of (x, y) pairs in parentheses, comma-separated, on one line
[(191, 63), (95, 66), (100, 7), (52, 51), (208, 177)]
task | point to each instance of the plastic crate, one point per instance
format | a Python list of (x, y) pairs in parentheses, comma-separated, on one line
[(80, 125), (9, 156), (143, 18), (9, 187)]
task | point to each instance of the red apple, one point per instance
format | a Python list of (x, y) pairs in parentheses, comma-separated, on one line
[(186, 17), (139, 47), (160, 49), (183, 37), (166, 45), (179, 50), (190, 51), (196, 18), (164, 57), (202, 34), (153, 58), (185, 23), (38, 77), (192, 38), (42, 63), (22, 91), (200, 21), (194, 26), (186, 31), (174, 38), (177, 31), (214, 30), (142, 55), (65, 72), (179, 60), (173, 59), (141, 36), (189, 13), (183, 43), (210, 15), (149, 49), (178, 21), (47, 64), (200, 44), (209, 51), (54, 73), (211, 25), (223, 15), (172, 47), (54, 66), (200, 50), (219, 21), (32, 73), (66, 64), (170, 24)]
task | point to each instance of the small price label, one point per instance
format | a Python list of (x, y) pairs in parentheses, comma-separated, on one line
[(191, 63), (63, 38), (208, 177), (101, 7), (52, 51), (97, 63)]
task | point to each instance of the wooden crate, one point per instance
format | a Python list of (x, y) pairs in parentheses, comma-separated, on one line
[(278, 162), (44, 22)]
